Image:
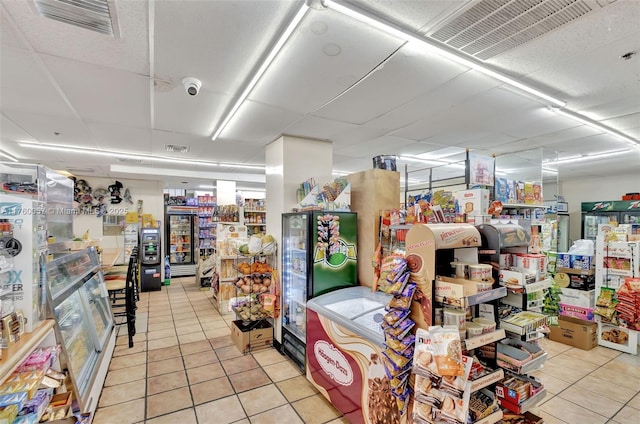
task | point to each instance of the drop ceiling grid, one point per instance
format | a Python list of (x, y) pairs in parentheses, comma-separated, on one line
[(176, 111), (22, 80), (55, 38), (120, 137), (72, 131), (260, 123), (302, 77), (102, 94), (442, 98), (9, 34), (316, 127), (570, 43), (223, 42)]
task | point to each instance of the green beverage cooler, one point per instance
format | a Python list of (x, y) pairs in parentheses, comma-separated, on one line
[(319, 255)]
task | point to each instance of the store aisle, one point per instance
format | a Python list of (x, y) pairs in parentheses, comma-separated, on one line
[(184, 369)]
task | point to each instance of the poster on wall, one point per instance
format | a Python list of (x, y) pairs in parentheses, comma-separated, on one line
[(481, 170)]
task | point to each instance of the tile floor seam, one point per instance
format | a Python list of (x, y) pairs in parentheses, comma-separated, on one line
[(571, 385)]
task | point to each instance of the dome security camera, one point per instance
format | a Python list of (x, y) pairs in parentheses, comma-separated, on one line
[(191, 85)]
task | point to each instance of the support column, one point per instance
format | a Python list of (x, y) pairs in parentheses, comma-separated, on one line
[(290, 161)]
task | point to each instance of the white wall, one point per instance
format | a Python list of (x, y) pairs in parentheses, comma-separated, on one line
[(592, 190), (151, 194)]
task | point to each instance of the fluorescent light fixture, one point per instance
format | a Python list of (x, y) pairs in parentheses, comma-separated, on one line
[(8, 156), (550, 171), (592, 156), (207, 186), (262, 190), (340, 173), (597, 125), (440, 49), (128, 155), (262, 68), (433, 162)]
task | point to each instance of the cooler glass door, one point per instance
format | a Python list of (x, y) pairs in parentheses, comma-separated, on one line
[(180, 239), (591, 222), (99, 309), (630, 217), (78, 338), (295, 273)]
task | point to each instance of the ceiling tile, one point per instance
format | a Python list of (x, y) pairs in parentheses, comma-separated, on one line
[(120, 138), (218, 42), (72, 131), (130, 52), (259, 123), (316, 127), (9, 34), (103, 94), (22, 80), (176, 111)]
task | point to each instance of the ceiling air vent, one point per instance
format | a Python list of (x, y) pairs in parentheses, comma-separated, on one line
[(94, 15), (492, 27), (176, 148)]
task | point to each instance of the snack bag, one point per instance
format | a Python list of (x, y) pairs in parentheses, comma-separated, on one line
[(448, 351)]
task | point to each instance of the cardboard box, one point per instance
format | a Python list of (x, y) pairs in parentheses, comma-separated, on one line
[(252, 336), (577, 262), (575, 332), (585, 314), (515, 278), (532, 264), (473, 202), (581, 298), (582, 282)]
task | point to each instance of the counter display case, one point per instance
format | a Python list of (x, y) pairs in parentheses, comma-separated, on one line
[(79, 302)]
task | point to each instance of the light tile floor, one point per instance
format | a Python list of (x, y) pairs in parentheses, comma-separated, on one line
[(185, 369)]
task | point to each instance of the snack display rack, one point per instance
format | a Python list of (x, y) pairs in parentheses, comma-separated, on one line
[(432, 249), (229, 236), (254, 303), (254, 215), (617, 265)]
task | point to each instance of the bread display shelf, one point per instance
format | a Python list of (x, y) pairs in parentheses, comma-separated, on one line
[(487, 380), (16, 353), (483, 339), (491, 419), (461, 293)]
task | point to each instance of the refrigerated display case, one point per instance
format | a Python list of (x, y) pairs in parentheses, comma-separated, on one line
[(344, 358), (606, 212), (181, 239), (318, 256), (79, 302)]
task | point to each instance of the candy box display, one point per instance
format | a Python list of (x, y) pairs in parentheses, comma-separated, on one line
[(585, 314)]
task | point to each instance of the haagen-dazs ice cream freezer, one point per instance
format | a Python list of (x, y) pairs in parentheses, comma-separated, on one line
[(344, 354)]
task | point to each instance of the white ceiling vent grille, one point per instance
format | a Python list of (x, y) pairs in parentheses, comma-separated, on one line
[(492, 27), (94, 15), (176, 148)]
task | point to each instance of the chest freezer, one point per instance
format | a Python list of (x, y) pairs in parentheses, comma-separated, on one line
[(344, 354)]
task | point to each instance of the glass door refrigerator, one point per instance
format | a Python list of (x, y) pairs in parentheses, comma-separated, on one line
[(181, 239), (318, 256), (605, 212)]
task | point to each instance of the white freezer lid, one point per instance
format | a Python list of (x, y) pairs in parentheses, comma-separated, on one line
[(356, 308)]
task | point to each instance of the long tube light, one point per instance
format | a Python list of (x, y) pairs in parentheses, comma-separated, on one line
[(597, 125), (128, 155), (8, 156), (441, 50), (293, 24), (592, 156)]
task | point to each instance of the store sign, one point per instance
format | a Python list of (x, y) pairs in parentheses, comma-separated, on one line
[(333, 362)]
